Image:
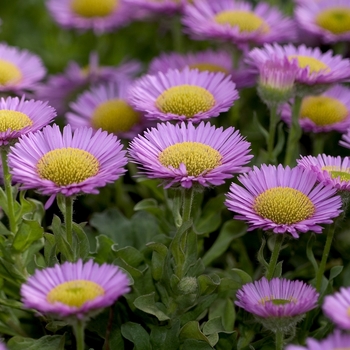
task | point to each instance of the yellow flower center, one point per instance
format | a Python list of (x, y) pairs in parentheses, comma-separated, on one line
[(210, 67), (246, 21), (9, 73), (93, 8), (75, 293), (277, 301), (284, 205), (66, 166), (336, 20), (187, 100), (197, 157), (323, 110), (114, 116), (13, 120), (336, 171), (314, 64)]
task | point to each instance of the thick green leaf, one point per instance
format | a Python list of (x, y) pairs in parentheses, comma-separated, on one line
[(192, 344), (159, 254), (165, 337), (147, 304), (48, 342), (61, 240), (28, 232), (105, 250), (191, 330), (245, 278), (224, 309), (81, 243), (137, 335)]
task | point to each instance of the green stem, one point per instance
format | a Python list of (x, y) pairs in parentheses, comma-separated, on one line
[(272, 133), (274, 256), (318, 140), (326, 250), (294, 133), (187, 201), (177, 36), (8, 189), (79, 327), (279, 340), (69, 220)]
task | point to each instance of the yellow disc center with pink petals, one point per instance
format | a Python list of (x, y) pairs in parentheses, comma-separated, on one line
[(246, 21), (67, 166), (13, 120), (315, 65), (114, 116), (276, 301), (9, 73), (336, 172), (323, 110), (336, 20), (284, 205), (197, 157), (75, 293), (93, 8)]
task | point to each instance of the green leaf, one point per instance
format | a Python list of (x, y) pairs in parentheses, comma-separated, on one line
[(192, 344), (80, 242), (208, 283), (105, 250), (147, 304), (310, 253), (230, 231), (191, 330), (224, 309), (159, 254), (48, 342), (165, 338), (245, 278), (335, 271), (50, 248), (261, 258), (130, 255), (28, 232), (61, 240), (212, 328), (137, 335), (280, 141)]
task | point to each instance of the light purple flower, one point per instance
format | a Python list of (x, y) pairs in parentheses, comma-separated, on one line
[(334, 341), (3, 346), (185, 155), (328, 20), (209, 60), (188, 95), (74, 289), (345, 142), (62, 88), (336, 308), (283, 200), (333, 171), (68, 163), (106, 106), (19, 69), (323, 113), (315, 67), (20, 116), (100, 16), (237, 22), (157, 7)]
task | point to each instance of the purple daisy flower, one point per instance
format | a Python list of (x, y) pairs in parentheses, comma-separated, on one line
[(74, 289), (209, 60), (328, 20), (188, 95), (283, 200), (71, 163), (3, 346), (185, 155), (106, 107), (278, 303), (336, 307), (19, 69), (323, 113), (157, 7), (334, 341), (20, 116), (315, 67), (345, 142), (333, 171), (100, 16), (237, 22), (60, 89)]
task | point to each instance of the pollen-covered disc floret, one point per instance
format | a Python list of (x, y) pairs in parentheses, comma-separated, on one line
[(283, 200), (333, 171), (185, 155), (20, 70), (315, 67), (337, 308), (237, 22), (100, 16), (106, 107), (278, 304), (323, 113), (20, 116), (67, 163), (334, 341), (188, 95), (327, 20), (76, 290)]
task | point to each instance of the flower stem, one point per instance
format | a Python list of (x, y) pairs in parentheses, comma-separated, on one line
[(8, 189), (326, 250), (279, 339), (187, 201), (69, 219), (294, 133), (79, 327), (274, 256), (272, 133), (177, 36)]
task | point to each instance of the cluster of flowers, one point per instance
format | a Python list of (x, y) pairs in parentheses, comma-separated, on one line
[(185, 89)]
